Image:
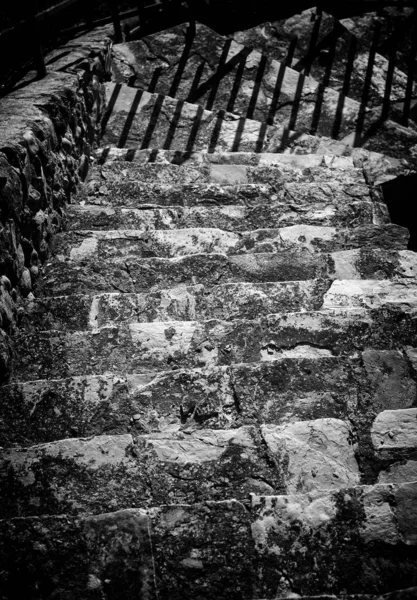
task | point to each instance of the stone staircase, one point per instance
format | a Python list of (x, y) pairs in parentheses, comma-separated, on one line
[(214, 387)]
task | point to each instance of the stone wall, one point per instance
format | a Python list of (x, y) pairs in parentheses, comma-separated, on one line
[(48, 129)]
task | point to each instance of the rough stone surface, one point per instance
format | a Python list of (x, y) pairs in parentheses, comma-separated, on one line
[(210, 348)]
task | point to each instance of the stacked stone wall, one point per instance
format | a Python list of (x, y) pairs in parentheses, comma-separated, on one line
[(48, 130)]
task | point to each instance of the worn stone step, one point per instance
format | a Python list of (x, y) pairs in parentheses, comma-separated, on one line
[(136, 275), (295, 163), (232, 217), (96, 474), (135, 194), (139, 119), (199, 168), (277, 392), (361, 538), (220, 73), (131, 554), (221, 546), (186, 303), (141, 347), (79, 246), (223, 301)]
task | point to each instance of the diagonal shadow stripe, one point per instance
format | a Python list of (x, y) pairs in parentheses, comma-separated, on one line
[(215, 79), (173, 125), (110, 106), (153, 121), (189, 39), (280, 80), (220, 67), (344, 93), (257, 87), (129, 120)]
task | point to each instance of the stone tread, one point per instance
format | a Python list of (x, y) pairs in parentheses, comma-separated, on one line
[(141, 347), (230, 217), (277, 392), (79, 246), (223, 301), (165, 547), (138, 275)]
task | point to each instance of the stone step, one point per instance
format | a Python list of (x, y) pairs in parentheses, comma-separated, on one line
[(184, 303), (94, 475), (141, 347), (139, 119), (221, 546), (224, 301), (219, 73), (79, 246), (277, 392), (135, 194), (338, 45), (322, 535), (230, 217), (137, 275), (275, 169), (294, 163)]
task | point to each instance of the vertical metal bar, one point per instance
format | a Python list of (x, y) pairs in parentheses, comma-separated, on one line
[(116, 20), (88, 13)]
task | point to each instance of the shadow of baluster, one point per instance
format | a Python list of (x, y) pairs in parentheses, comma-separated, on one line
[(129, 121), (153, 122), (366, 86), (189, 39), (173, 125), (195, 128), (410, 74), (324, 84), (216, 80), (280, 80), (346, 86), (257, 86)]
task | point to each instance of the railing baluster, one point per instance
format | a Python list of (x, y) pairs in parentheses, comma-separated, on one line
[(114, 7), (38, 58)]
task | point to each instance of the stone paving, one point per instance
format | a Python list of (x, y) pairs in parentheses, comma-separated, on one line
[(214, 384)]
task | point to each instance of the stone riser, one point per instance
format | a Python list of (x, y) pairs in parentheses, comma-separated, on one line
[(85, 245), (135, 193), (218, 545), (140, 347), (95, 474), (233, 217), (144, 275), (278, 392), (224, 301)]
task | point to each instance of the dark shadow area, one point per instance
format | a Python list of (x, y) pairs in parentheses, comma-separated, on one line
[(400, 196), (411, 69)]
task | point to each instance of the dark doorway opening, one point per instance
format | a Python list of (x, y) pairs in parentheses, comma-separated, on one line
[(400, 195)]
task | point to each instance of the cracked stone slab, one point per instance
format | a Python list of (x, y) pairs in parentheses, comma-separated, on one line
[(91, 276), (372, 294), (135, 194), (278, 392), (94, 475), (185, 303), (78, 557), (79, 246), (147, 554), (230, 217), (394, 433), (142, 347), (321, 540)]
